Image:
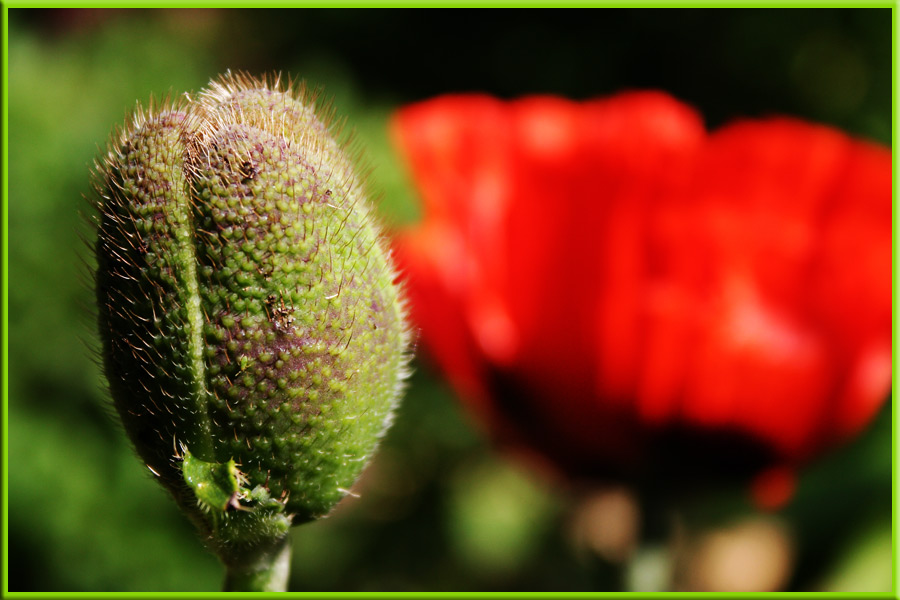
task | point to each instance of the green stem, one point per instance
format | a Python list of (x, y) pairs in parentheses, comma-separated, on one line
[(653, 566), (267, 571)]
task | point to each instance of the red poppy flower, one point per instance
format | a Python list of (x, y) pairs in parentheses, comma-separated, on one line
[(632, 297)]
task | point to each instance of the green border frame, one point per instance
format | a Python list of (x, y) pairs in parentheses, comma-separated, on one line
[(5, 288), (467, 4), (895, 16)]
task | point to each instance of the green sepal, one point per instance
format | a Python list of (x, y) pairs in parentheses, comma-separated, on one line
[(243, 522), (216, 485)]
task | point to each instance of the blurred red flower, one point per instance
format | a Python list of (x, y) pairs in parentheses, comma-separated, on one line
[(611, 286)]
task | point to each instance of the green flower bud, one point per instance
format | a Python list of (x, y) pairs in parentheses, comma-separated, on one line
[(252, 335)]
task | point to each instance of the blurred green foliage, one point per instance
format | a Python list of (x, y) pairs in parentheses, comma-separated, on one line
[(438, 508)]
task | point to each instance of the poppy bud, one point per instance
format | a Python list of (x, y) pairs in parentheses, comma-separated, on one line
[(252, 335)]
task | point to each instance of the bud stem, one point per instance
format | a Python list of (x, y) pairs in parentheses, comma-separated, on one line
[(267, 571)]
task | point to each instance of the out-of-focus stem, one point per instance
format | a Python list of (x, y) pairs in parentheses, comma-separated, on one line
[(653, 566)]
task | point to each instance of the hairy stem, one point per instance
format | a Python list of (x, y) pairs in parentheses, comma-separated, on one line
[(267, 571)]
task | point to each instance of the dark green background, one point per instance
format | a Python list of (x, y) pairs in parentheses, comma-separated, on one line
[(440, 511)]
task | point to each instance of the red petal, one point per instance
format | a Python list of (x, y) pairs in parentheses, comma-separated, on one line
[(620, 264), (459, 150), (432, 287), (773, 488), (763, 362), (850, 287)]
